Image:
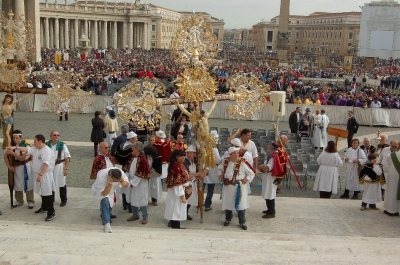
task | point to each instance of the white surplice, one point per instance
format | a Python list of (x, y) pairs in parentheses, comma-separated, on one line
[(174, 208), (372, 191), (139, 188), (194, 198), (328, 172), (391, 204), (155, 187), (352, 180), (58, 172), (320, 137), (268, 191)]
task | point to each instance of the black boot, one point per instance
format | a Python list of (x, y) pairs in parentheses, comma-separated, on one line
[(61, 117), (66, 116), (188, 216), (345, 195), (355, 195)]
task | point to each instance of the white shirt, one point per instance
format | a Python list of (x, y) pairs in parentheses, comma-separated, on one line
[(376, 104), (102, 182)]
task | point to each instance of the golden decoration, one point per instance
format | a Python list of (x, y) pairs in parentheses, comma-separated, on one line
[(250, 96), (138, 102), (17, 43), (196, 84), (63, 93), (194, 38)]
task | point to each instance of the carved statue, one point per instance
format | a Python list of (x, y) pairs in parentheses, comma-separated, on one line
[(204, 141), (6, 113)]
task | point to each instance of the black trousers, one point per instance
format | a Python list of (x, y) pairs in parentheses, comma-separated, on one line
[(48, 204), (125, 204), (349, 138), (175, 224), (363, 204), (325, 194), (63, 193), (270, 206)]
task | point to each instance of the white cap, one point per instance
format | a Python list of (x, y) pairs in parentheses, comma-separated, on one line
[(214, 133), (236, 142), (130, 135), (233, 149), (161, 134), (108, 108), (191, 148)]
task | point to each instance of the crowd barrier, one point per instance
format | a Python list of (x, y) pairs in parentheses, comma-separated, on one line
[(336, 114)]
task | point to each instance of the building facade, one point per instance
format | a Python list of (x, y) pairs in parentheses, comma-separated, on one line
[(112, 24), (380, 30), (319, 33)]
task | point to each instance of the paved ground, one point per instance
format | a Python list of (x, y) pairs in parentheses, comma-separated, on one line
[(305, 231), (78, 129)]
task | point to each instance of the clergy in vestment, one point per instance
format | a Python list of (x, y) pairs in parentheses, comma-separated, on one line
[(102, 161), (392, 200), (326, 181), (352, 156)]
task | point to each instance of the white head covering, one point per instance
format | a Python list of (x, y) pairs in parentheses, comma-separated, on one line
[(130, 135), (191, 148), (161, 134), (214, 133), (233, 149), (236, 142), (108, 108)]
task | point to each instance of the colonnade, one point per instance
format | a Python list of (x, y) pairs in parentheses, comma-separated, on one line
[(64, 33)]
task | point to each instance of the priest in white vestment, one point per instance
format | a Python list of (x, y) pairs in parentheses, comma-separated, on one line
[(391, 204)]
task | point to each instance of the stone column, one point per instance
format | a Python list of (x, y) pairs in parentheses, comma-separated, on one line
[(85, 29), (46, 33), (115, 35), (95, 35), (66, 34), (76, 33), (141, 35), (130, 35), (19, 6), (124, 34), (51, 30), (42, 40), (61, 34), (145, 36), (104, 32), (56, 33)]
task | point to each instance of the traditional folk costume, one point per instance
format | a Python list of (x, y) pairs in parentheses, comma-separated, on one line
[(178, 146), (351, 181), (392, 199), (61, 153), (164, 149), (46, 187), (276, 164), (107, 201), (234, 193), (194, 198), (23, 178), (327, 178), (102, 161), (176, 181), (139, 175), (211, 179), (372, 190), (155, 187)]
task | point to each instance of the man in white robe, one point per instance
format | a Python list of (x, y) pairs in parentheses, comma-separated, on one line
[(104, 188), (42, 171), (60, 171), (235, 173), (139, 175), (382, 160), (321, 123), (391, 204)]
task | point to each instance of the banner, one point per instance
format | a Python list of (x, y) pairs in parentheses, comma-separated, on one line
[(322, 62), (369, 63), (348, 63), (273, 62)]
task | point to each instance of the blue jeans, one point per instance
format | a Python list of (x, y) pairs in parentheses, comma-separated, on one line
[(210, 193), (105, 210), (241, 215), (135, 211)]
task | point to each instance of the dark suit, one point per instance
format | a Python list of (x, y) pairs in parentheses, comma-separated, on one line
[(352, 127), (97, 130), (293, 124)]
